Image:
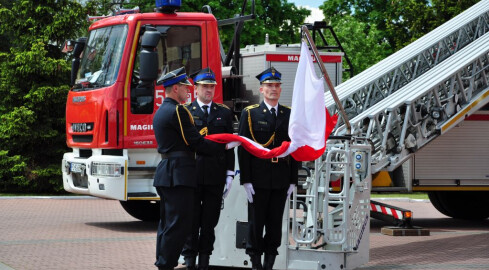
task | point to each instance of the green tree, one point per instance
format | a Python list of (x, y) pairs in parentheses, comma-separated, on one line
[(34, 75), (279, 19), (34, 78), (388, 25)]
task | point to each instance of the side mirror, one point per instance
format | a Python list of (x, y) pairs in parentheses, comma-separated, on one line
[(148, 58), (68, 46), (77, 48)]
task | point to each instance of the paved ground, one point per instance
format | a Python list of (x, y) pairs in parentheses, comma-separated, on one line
[(452, 244), (41, 233)]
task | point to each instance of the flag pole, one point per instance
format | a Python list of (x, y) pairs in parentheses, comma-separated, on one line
[(306, 33)]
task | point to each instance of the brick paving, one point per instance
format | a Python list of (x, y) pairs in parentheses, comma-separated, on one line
[(62, 233), (452, 244), (73, 234)]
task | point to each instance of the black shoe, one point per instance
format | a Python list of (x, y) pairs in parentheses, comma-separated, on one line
[(190, 263), (256, 262), (203, 262), (268, 261)]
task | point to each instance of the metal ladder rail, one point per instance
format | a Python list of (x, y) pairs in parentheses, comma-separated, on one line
[(308, 232), (377, 87), (413, 88), (377, 117), (476, 15), (402, 95), (336, 234), (359, 208), (442, 97), (352, 209), (413, 48), (401, 111), (384, 86)]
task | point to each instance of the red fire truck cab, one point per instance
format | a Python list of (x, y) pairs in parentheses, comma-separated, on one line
[(108, 120), (109, 110)]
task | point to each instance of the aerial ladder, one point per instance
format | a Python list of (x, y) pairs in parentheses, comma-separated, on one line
[(407, 100), (387, 113), (395, 108)]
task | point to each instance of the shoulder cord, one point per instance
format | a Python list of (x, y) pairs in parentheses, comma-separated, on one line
[(180, 122), (253, 135)]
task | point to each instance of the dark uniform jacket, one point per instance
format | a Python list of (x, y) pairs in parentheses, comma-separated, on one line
[(211, 170), (174, 131), (263, 173)]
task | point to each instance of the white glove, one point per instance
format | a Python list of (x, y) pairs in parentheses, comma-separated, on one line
[(229, 183), (232, 145), (291, 189), (249, 191)]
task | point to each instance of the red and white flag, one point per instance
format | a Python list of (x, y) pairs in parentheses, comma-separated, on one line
[(310, 122)]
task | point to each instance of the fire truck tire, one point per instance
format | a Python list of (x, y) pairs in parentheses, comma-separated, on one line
[(142, 210), (461, 204)]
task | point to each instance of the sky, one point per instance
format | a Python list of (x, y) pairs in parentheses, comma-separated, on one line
[(313, 5)]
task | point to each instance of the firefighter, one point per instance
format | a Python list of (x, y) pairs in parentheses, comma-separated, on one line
[(267, 182), (175, 177), (214, 173)]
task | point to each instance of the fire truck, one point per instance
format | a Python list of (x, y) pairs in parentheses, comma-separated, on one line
[(109, 113), (109, 110), (396, 123)]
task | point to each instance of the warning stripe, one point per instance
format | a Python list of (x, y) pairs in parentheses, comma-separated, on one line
[(386, 211)]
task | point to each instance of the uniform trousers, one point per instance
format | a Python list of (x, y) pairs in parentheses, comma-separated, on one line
[(266, 212), (207, 209), (176, 205)]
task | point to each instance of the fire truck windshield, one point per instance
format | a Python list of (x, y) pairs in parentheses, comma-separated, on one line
[(101, 58)]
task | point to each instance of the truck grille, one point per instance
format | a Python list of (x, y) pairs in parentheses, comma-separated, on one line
[(82, 138)]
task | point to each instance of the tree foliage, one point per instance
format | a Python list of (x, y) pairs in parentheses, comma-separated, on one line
[(279, 19), (34, 75), (370, 30), (34, 79)]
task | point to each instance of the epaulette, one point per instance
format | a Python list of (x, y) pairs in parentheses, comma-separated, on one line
[(188, 103), (286, 107), (222, 105), (252, 107)]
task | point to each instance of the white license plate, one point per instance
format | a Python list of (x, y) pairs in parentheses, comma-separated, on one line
[(77, 167)]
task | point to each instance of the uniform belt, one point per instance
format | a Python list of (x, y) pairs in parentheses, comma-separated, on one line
[(176, 154), (276, 159)]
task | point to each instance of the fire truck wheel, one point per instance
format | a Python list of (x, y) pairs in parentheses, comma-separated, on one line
[(461, 204), (142, 210)]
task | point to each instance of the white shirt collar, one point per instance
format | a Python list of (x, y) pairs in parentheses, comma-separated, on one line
[(270, 107), (202, 104)]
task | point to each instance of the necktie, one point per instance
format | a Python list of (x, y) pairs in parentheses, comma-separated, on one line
[(206, 113), (274, 115)]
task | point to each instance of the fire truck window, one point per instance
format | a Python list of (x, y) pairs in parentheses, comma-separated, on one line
[(180, 46), (101, 58)]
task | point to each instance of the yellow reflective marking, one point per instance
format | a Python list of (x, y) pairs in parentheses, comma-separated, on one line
[(463, 112), (446, 188), (125, 180), (143, 198), (129, 66)]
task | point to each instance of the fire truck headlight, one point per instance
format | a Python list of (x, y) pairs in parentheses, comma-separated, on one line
[(107, 169)]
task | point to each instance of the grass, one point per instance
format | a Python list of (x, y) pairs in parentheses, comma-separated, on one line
[(415, 195)]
